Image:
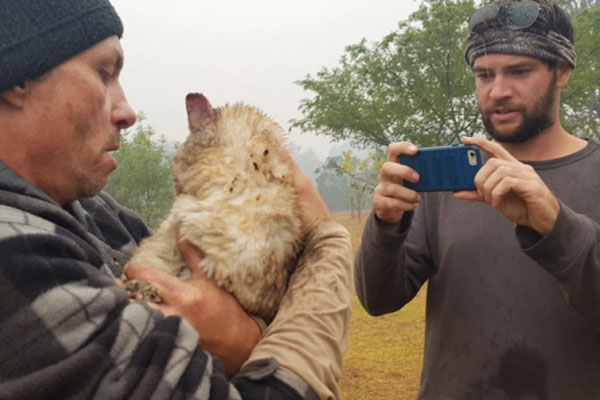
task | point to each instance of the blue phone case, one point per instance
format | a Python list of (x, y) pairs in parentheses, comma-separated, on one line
[(444, 168)]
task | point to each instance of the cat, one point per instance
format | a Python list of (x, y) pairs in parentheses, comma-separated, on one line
[(235, 200)]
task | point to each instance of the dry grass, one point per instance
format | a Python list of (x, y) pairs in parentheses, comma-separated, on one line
[(384, 353)]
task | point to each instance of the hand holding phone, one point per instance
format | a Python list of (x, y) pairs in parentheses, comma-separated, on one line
[(444, 168)]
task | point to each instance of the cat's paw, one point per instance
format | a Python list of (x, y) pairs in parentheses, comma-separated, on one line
[(140, 290)]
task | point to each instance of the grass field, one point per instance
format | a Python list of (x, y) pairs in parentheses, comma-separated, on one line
[(384, 353)]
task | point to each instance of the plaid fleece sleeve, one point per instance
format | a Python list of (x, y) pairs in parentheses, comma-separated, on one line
[(68, 332)]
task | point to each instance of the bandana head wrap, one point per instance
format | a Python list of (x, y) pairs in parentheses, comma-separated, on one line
[(547, 46)]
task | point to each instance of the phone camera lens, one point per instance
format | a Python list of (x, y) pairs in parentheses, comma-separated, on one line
[(472, 156)]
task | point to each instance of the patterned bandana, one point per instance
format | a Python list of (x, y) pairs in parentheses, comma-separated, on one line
[(552, 47)]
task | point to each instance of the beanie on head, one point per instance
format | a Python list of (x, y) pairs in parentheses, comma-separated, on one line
[(37, 35)]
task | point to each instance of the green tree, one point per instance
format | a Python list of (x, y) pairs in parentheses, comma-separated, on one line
[(581, 97), (143, 180), (415, 85), (362, 175), (574, 7), (350, 179), (412, 85)]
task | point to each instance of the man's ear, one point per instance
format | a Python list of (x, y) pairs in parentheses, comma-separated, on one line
[(563, 72), (15, 96)]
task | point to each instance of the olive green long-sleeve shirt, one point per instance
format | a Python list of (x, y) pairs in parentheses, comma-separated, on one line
[(309, 335)]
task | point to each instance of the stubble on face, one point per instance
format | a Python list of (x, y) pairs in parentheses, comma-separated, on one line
[(91, 179), (535, 122), (66, 154)]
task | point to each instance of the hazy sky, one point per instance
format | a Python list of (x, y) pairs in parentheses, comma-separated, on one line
[(240, 50)]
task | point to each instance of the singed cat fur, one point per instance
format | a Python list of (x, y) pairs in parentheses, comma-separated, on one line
[(235, 200)]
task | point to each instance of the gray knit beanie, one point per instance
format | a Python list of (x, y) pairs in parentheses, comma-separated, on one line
[(37, 35)]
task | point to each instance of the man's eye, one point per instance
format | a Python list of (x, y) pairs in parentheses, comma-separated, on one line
[(520, 72), (105, 75)]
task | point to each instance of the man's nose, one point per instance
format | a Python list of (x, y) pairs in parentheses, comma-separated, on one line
[(123, 116), (500, 89)]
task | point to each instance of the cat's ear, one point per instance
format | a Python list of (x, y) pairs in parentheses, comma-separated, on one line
[(200, 112)]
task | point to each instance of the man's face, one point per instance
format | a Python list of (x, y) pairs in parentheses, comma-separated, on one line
[(79, 109), (517, 96)]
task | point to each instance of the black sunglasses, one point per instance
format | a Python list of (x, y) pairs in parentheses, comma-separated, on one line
[(518, 15)]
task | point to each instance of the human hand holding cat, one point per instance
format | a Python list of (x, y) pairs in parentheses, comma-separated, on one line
[(224, 328)]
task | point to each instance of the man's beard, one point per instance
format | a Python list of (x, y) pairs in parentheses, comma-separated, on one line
[(534, 123)]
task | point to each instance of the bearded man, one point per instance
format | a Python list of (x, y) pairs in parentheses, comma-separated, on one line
[(512, 268)]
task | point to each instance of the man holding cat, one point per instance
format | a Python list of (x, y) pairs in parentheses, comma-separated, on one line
[(66, 329)]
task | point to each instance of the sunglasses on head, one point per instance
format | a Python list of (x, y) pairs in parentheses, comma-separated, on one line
[(518, 15)]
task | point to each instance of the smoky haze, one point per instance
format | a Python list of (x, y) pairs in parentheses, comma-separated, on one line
[(234, 50)]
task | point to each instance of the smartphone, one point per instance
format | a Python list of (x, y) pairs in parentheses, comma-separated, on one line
[(444, 168)]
